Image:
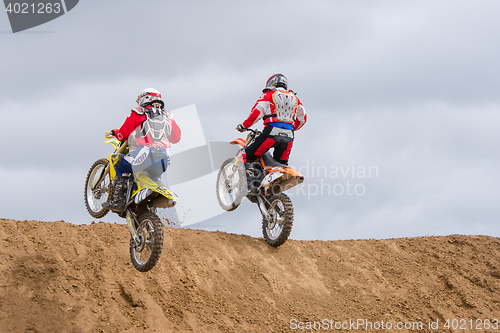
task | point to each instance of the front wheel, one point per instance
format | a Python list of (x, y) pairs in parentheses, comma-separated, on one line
[(231, 185), (145, 254), (97, 188), (277, 230)]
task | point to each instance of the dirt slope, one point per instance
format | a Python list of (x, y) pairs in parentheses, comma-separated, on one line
[(60, 277)]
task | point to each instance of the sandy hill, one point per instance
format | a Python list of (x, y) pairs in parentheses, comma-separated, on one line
[(60, 277)]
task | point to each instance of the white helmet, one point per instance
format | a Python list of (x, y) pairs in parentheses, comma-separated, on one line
[(148, 95)]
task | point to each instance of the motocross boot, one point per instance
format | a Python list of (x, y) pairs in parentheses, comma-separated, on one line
[(117, 203), (253, 172)]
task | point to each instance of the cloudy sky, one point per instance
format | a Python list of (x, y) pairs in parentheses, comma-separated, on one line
[(409, 91)]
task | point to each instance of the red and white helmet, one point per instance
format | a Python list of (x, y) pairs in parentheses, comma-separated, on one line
[(147, 96)]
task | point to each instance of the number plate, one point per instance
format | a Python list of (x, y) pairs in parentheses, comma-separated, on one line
[(271, 177), (142, 194)]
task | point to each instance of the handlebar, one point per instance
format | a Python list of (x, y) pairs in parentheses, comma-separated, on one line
[(108, 135), (250, 130)]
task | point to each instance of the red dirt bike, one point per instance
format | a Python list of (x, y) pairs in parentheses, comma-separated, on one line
[(275, 178)]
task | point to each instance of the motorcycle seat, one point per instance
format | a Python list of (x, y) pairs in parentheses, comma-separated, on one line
[(270, 161)]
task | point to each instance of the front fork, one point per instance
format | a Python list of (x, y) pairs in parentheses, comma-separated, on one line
[(263, 209), (229, 180), (99, 180), (130, 215), (270, 219), (132, 222)]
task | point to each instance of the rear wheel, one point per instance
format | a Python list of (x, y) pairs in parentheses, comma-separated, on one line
[(97, 188), (277, 230), (145, 254), (231, 185)]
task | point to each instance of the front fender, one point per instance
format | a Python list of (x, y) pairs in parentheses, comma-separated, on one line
[(239, 141)]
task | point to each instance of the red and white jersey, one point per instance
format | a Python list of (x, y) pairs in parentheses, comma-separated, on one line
[(137, 118), (278, 105)]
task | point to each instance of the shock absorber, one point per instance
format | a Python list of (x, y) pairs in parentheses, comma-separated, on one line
[(134, 207)]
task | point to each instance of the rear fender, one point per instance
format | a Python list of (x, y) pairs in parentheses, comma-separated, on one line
[(160, 197), (287, 178), (291, 181), (165, 198)]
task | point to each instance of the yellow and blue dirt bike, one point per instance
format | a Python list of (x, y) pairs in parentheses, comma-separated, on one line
[(145, 193)]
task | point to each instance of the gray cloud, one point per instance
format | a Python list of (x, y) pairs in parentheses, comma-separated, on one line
[(411, 88)]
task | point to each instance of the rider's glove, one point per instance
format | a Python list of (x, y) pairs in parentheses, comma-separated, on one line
[(240, 128)]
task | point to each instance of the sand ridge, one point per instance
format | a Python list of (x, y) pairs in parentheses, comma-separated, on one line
[(61, 277)]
